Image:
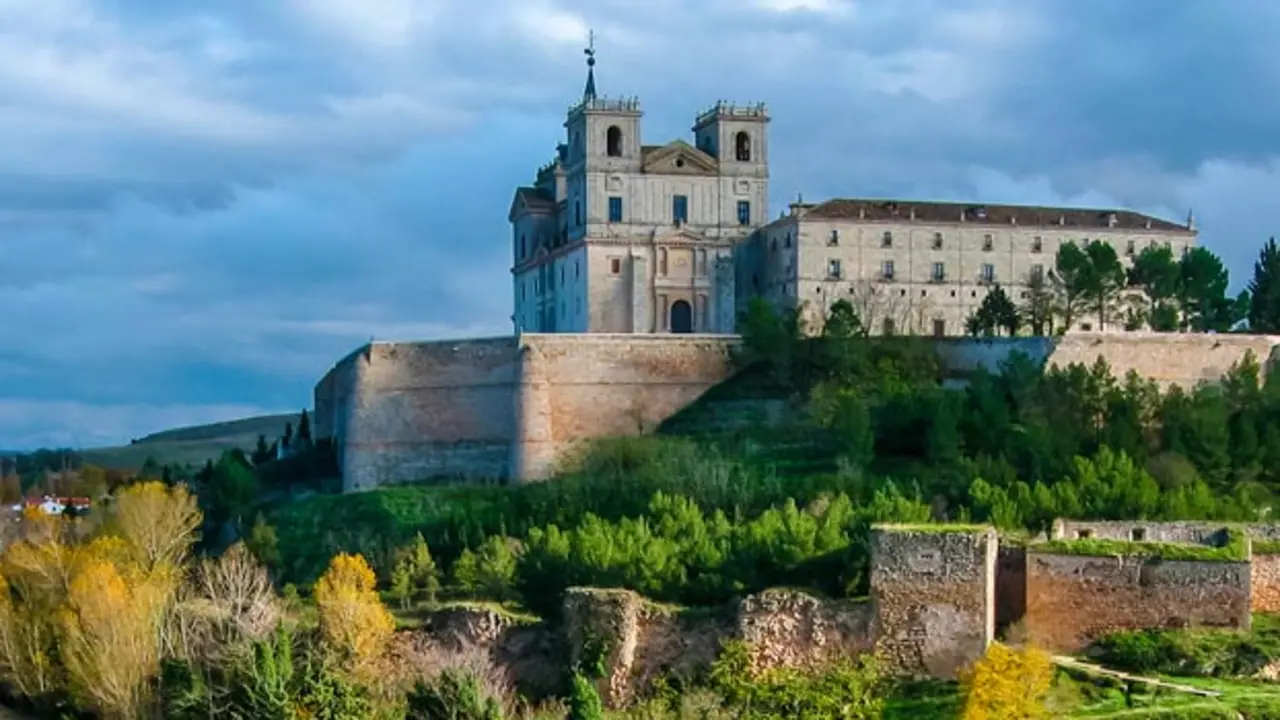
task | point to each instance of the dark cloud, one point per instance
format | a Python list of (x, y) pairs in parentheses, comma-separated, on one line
[(201, 210)]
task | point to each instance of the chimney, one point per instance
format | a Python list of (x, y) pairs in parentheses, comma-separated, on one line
[(1112, 220), (1062, 220), (1013, 219), (1148, 223), (913, 213), (1191, 220), (862, 213)]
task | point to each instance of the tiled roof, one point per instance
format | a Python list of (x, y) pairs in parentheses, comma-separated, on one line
[(956, 213), (536, 198)]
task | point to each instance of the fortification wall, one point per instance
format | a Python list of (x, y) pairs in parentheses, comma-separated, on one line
[(1264, 581), (1073, 600), (1167, 358), (1194, 532), (1011, 585), (933, 592), (503, 407)]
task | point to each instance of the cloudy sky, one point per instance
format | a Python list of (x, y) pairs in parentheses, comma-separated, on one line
[(204, 204)]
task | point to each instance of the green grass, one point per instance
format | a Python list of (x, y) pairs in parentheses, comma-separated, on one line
[(1235, 550), (1266, 547), (189, 445)]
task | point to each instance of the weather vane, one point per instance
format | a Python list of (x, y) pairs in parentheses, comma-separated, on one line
[(591, 48)]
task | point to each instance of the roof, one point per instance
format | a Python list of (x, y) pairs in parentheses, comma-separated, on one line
[(956, 213), (536, 198)]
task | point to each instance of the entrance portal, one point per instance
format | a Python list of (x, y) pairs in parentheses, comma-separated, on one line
[(681, 317)]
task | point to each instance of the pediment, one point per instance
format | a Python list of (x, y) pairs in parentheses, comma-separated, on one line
[(680, 236), (678, 158), (529, 200)]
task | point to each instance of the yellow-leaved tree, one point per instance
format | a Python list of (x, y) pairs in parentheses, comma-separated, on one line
[(1008, 684), (158, 522), (353, 621)]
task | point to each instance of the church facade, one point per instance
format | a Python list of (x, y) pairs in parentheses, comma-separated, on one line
[(619, 236)]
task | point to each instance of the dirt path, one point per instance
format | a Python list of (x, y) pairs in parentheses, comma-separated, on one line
[(1068, 662)]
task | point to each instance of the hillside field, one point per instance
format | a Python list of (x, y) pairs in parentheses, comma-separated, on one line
[(190, 445)]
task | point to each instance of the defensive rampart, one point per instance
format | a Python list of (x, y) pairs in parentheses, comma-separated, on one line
[(503, 407), (512, 407)]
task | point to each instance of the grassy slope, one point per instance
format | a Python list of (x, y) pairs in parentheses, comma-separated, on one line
[(192, 445)]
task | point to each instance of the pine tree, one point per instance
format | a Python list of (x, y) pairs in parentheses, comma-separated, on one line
[(304, 427), (1264, 291)]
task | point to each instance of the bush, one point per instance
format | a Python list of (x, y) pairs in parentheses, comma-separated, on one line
[(850, 690), (454, 694), (584, 701), (1209, 653)]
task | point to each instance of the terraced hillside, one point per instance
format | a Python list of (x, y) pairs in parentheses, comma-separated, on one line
[(190, 445)]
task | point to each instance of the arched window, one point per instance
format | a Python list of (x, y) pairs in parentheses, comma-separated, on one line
[(613, 141), (742, 147)]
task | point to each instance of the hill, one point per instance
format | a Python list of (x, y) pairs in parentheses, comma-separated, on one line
[(189, 445)]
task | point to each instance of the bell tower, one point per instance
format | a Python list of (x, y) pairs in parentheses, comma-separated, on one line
[(603, 138)]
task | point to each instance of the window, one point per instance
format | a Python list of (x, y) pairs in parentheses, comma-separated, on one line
[(1084, 534), (1130, 248), (523, 248), (834, 238), (615, 209), (988, 273), (1138, 534), (788, 241), (615, 266), (939, 272), (987, 242), (887, 326), (577, 213), (886, 270), (939, 328), (833, 269), (679, 209), (577, 269), (744, 212), (1037, 273), (1037, 244), (937, 241), (613, 141), (742, 147), (886, 240)]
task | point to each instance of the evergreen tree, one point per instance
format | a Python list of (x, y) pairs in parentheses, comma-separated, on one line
[(287, 440), (1202, 288), (304, 428), (1157, 273), (1264, 291), (262, 452), (997, 313), (1041, 305)]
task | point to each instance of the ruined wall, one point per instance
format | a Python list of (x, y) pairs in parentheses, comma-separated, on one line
[(1264, 580), (1073, 599), (640, 641), (1194, 532), (503, 407), (933, 592)]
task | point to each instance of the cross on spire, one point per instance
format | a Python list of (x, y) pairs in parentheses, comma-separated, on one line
[(589, 92)]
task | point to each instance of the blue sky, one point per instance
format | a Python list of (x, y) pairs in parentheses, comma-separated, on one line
[(204, 204)]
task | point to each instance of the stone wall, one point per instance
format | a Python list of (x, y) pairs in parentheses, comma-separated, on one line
[(1167, 358), (503, 407), (1264, 581), (1073, 600), (933, 592), (640, 641), (514, 407), (1194, 532)]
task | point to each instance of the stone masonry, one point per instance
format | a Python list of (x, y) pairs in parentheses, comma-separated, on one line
[(933, 589), (514, 407)]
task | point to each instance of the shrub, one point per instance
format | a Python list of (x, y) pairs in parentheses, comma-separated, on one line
[(1008, 683), (584, 701), (454, 694)]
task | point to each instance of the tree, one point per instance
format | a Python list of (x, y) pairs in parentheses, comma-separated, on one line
[(1070, 278), (262, 452), (353, 622), (1106, 280), (1264, 291), (996, 313), (304, 428), (584, 701), (1158, 274), (1006, 684), (1202, 288), (1041, 305), (263, 542), (158, 523), (842, 322), (415, 575)]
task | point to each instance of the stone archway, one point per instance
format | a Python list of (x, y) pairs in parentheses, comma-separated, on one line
[(681, 317)]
